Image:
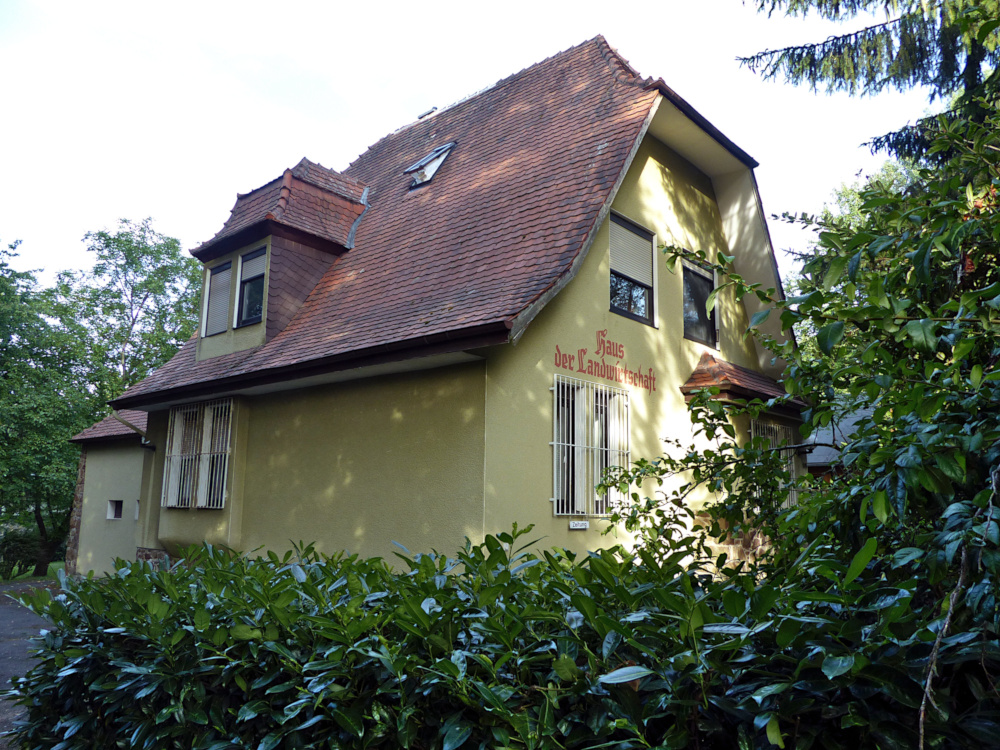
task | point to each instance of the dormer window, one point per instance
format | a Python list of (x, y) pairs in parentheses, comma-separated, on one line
[(423, 170), (217, 304), (250, 304), (235, 293)]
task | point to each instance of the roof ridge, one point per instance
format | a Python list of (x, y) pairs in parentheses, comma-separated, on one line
[(624, 72), (301, 172), (496, 85)]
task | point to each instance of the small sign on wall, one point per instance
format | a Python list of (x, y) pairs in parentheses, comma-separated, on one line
[(579, 525), (617, 370)]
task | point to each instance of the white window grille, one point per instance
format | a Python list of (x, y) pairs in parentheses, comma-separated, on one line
[(778, 435), (196, 470), (590, 433)]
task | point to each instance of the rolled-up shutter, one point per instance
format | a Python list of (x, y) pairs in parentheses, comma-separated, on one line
[(631, 251), (253, 265), (217, 316)]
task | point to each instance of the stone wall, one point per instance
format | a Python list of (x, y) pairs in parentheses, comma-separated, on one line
[(73, 539)]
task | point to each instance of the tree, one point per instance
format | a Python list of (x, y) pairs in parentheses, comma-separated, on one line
[(43, 401), (135, 308), (950, 46), (903, 300)]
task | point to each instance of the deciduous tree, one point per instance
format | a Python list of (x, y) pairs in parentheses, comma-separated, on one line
[(135, 307)]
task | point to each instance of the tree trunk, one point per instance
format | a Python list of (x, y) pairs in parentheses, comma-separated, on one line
[(45, 550)]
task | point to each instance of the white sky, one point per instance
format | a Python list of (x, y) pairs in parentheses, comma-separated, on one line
[(168, 110)]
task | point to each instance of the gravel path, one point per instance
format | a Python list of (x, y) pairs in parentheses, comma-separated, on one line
[(17, 623)]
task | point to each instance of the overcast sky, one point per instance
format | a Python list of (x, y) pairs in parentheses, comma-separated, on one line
[(168, 110)]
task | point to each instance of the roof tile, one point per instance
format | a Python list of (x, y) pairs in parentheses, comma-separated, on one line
[(535, 159), (110, 428)]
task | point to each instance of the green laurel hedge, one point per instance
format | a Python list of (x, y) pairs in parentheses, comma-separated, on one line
[(497, 648)]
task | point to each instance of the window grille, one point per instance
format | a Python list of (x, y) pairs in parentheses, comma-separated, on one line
[(196, 469), (779, 435), (590, 435)]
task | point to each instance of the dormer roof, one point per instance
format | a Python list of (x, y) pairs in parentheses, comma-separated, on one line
[(308, 199)]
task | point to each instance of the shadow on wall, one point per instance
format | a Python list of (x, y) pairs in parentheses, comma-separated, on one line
[(357, 465)]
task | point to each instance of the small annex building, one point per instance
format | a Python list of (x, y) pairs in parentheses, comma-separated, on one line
[(461, 330)]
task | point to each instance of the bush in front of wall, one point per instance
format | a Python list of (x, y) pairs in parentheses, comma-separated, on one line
[(19, 549), (497, 648)]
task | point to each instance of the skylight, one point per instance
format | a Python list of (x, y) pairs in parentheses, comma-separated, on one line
[(424, 169)]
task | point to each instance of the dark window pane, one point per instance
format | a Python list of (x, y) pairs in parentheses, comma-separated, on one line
[(698, 324), (630, 297), (251, 300)]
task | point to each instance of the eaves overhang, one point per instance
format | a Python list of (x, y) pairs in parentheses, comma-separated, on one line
[(317, 371), (690, 134), (257, 231), (734, 394)]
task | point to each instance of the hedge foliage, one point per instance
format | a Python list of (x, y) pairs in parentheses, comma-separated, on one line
[(496, 648), (19, 549)]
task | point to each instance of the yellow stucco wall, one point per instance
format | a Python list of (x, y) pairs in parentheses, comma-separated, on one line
[(114, 472), (669, 197), (350, 466)]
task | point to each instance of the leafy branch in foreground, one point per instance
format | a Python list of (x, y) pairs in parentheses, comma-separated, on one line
[(906, 308)]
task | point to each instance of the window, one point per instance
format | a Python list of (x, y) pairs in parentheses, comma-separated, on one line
[(217, 303), (699, 324), (631, 270), (115, 509), (424, 169), (196, 470), (250, 305), (590, 435), (776, 435)]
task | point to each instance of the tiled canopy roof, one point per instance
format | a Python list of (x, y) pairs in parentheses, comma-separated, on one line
[(309, 198), (110, 428), (460, 258), (734, 380)]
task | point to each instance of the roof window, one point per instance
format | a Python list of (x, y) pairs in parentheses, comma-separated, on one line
[(424, 169)]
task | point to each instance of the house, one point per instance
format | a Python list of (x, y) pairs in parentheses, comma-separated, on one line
[(460, 330)]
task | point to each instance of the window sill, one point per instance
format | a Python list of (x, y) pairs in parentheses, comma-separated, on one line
[(631, 316)]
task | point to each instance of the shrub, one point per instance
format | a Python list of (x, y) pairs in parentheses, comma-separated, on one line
[(498, 648), (19, 549)]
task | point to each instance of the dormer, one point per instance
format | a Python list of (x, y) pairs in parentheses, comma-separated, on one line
[(276, 245)]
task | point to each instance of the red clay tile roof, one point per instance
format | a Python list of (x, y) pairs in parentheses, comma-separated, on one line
[(500, 225), (110, 428), (309, 197), (711, 372)]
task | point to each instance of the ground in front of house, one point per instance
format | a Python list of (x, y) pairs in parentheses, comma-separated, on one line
[(17, 624)]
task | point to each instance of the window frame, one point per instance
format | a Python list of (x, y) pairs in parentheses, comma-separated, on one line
[(238, 321), (207, 305), (591, 432), (116, 510), (647, 236), (197, 462), (706, 274)]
